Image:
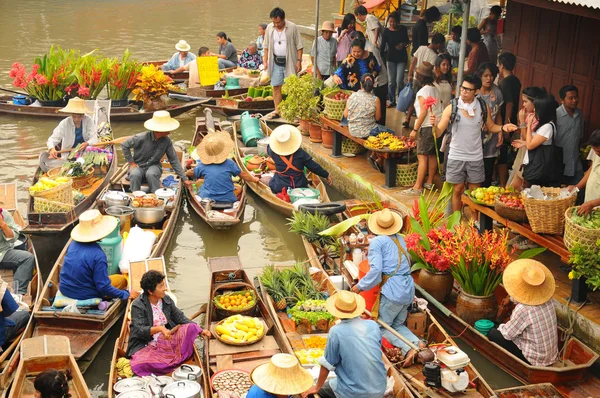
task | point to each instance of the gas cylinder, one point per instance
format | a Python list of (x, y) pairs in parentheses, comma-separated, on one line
[(112, 246)]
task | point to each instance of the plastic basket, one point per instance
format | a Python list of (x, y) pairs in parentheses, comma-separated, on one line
[(406, 174), (574, 233), (350, 146), (548, 216), (315, 194), (334, 109), (41, 205), (510, 213), (62, 193)]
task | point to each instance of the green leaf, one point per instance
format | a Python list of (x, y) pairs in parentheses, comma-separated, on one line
[(453, 220), (424, 213), (340, 228), (530, 253), (417, 266)]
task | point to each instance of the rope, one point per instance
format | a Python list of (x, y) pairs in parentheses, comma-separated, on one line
[(568, 332)]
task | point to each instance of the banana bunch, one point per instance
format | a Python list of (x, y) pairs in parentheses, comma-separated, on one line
[(46, 183), (124, 368), (240, 329), (385, 140), (373, 143)]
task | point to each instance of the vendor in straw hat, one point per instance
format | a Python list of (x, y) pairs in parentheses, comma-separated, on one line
[(290, 160), (149, 148), (531, 333), (182, 57), (352, 352), (216, 168), (77, 128), (84, 273), (390, 270), (281, 377), (326, 47)]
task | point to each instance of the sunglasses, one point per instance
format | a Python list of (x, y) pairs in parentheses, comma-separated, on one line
[(467, 89)]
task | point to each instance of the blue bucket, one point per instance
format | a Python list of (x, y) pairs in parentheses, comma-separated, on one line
[(19, 100)]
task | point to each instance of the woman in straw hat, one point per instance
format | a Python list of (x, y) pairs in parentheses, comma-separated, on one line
[(76, 129), (281, 377), (531, 333), (353, 352), (216, 168), (390, 270), (181, 58), (150, 146), (84, 273), (326, 47), (290, 160)]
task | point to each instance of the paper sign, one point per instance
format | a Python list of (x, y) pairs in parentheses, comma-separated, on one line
[(208, 70)]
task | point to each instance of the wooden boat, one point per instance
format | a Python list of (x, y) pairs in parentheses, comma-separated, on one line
[(10, 356), (47, 352), (578, 357), (211, 92), (236, 105), (216, 218), (259, 188), (542, 390), (137, 269)]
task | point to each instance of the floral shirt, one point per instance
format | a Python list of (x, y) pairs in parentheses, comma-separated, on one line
[(351, 70), (250, 61), (159, 317), (361, 113)]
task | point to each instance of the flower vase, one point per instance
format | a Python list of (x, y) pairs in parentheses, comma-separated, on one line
[(437, 284), (154, 104), (55, 103), (314, 132), (472, 308), (119, 103), (303, 127), (327, 137)]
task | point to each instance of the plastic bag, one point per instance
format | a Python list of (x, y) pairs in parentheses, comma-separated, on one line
[(72, 308), (405, 98), (137, 247)]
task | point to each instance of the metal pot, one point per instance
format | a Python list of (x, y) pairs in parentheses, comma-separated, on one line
[(154, 384), (135, 394), (124, 214), (129, 384), (187, 372), (149, 215), (116, 198), (165, 194), (183, 389)]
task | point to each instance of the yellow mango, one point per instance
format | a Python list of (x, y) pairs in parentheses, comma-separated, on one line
[(249, 335), (240, 326), (222, 330)]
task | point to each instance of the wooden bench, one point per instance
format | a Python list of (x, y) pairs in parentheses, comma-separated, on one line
[(554, 243)]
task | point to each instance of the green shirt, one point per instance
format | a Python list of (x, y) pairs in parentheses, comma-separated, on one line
[(5, 243)]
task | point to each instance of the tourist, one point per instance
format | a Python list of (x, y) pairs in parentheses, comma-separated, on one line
[(161, 337), (290, 160), (531, 333), (465, 156), (510, 85), (181, 58), (261, 38), (21, 262), (344, 41), (12, 318), (84, 272), (427, 53), (453, 45), (281, 377), (390, 270), (359, 62), (326, 51), (443, 82), (149, 148), (227, 52), (373, 27), (250, 58), (423, 129), (216, 168), (492, 95), (488, 28), (52, 383), (393, 47), (569, 133), (591, 178), (352, 352), (478, 54), (363, 110), (192, 68), (78, 128), (283, 52), (420, 32)]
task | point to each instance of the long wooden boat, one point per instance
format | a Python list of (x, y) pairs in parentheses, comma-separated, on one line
[(236, 105), (47, 352), (262, 190), (542, 390), (9, 358), (137, 269), (216, 218), (578, 357), (211, 92)]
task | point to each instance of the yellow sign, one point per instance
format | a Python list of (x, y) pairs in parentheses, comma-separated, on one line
[(208, 70)]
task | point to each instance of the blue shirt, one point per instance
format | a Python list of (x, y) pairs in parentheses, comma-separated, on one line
[(78, 136), (84, 274), (256, 392), (217, 180), (293, 178), (174, 61), (9, 306), (383, 258), (353, 352)]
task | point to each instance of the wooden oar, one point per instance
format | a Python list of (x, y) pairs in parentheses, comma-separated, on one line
[(202, 310), (99, 145), (14, 92), (31, 157)]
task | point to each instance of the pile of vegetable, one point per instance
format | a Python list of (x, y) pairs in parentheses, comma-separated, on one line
[(240, 329), (390, 141), (590, 221), (46, 183), (92, 155), (312, 311), (239, 300), (309, 356), (75, 169)]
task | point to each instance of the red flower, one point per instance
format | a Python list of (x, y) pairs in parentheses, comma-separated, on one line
[(41, 79), (83, 91), (429, 102), (412, 241)]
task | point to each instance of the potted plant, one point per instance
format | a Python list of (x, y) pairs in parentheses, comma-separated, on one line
[(314, 130), (327, 137), (92, 76), (584, 261), (122, 78), (152, 86), (300, 102)]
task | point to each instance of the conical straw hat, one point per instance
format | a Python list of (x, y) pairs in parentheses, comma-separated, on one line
[(93, 226), (528, 282), (215, 148), (76, 105), (282, 375)]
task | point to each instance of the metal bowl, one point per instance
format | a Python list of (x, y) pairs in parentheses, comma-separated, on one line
[(116, 198), (149, 215)]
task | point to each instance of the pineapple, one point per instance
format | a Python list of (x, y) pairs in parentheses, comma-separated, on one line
[(271, 281)]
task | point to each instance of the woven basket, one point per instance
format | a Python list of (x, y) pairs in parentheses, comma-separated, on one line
[(62, 193), (574, 233), (548, 216), (334, 109), (510, 213), (349, 146), (78, 182), (406, 174), (41, 205)]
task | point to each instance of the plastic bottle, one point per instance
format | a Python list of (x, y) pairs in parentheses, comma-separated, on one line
[(357, 256)]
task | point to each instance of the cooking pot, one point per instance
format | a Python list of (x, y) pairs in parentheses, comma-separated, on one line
[(149, 215), (129, 384), (187, 372), (183, 389), (135, 394), (116, 198), (164, 194), (124, 214)]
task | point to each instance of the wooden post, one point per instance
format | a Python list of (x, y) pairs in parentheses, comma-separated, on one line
[(342, 6), (463, 46), (316, 43)]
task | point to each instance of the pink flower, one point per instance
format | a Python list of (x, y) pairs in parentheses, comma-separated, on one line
[(429, 102), (83, 91), (412, 241), (41, 80)]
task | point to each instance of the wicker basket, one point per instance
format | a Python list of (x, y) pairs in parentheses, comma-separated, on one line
[(548, 216), (510, 213), (574, 233), (406, 174), (214, 331), (78, 182), (62, 193), (41, 205), (334, 109), (223, 313), (349, 146)]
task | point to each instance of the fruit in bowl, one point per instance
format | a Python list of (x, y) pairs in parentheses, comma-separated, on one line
[(513, 201), (486, 195)]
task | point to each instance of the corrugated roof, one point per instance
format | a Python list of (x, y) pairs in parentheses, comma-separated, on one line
[(583, 3)]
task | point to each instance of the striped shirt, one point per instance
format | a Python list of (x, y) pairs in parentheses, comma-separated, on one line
[(533, 329)]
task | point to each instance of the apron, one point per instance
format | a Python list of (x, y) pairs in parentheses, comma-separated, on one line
[(290, 166)]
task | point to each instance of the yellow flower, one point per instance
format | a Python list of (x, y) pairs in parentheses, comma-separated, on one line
[(571, 275)]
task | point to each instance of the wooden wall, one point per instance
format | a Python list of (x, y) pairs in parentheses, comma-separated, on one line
[(555, 48)]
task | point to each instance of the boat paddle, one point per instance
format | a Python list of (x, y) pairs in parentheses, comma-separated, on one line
[(98, 145), (14, 92)]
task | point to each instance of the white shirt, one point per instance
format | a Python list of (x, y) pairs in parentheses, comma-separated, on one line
[(422, 54), (64, 134), (592, 187), (544, 131), (372, 25), (279, 42), (428, 91)]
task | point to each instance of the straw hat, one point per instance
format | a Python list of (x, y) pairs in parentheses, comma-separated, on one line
[(93, 226), (345, 305), (528, 282), (215, 148), (385, 222), (282, 375), (285, 140), (161, 122), (425, 69), (327, 26), (182, 46), (75, 105)]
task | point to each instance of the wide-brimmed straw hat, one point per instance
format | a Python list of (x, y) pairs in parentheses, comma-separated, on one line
[(161, 122), (385, 222), (93, 226), (528, 282), (345, 305), (327, 26), (285, 140), (215, 148), (282, 375), (182, 46), (76, 105), (425, 69)]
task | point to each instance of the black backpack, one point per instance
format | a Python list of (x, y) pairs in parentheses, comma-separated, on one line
[(543, 169), (484, 115)]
